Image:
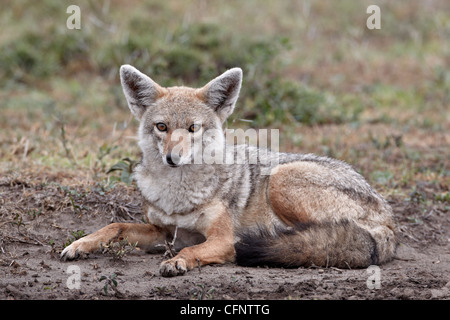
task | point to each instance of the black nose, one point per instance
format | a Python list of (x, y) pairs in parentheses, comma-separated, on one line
[(172, 159)]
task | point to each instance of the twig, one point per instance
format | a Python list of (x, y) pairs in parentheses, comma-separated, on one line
[(429, 214), (124, 208), (170, 251), (25, 150), (37, 242), (337, 269), (5, 222), (403, 259), (170, 245), (199, 266), (14, 239)]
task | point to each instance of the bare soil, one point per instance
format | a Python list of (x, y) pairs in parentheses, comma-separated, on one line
[(39, 216)]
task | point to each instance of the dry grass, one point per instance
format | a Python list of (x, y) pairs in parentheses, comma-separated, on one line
[(377, 99), (64, 123)]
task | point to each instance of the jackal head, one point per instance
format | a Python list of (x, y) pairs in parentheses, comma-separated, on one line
[(180, 125)]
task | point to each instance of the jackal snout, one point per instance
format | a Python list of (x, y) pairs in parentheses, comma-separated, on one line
[(176, 148), (173, 159)]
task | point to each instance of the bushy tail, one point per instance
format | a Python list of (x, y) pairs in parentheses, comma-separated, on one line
[(343, 244)]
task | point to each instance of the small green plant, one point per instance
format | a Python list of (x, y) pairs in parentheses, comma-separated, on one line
[(443, 197), (76, 207), (75, 235), (163, 291), (417, 196), (103, 151), (33, 213), (202, 292), (18, 220), (110, 282), (74, 195), (118, 250), (125, 166)]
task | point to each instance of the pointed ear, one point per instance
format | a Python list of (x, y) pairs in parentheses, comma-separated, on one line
[(222, 93), (140, 91)]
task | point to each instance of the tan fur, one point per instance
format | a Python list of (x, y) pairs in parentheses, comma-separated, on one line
[(218, 248), (161, 92), (287, 202), (171, 142), (295, 195)]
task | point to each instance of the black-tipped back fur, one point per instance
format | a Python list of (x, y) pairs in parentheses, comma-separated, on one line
[(343, 244)]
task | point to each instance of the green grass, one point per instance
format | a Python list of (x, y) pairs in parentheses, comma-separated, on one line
[(306, 65)]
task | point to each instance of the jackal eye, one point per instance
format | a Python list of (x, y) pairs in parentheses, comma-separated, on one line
[(194, 127), (161, 126)]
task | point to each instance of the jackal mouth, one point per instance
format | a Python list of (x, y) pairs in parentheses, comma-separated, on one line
[(172, 164)]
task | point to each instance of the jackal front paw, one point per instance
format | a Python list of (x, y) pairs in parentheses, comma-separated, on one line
[(176, 266), (78, 249)]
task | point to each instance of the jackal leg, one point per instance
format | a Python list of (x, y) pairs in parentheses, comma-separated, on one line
[(145, 235), (218, 248)]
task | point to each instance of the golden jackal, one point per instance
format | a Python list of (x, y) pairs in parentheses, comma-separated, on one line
[(281, 210)]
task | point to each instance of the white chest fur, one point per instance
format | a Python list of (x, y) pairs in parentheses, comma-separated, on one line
[(187, 221), (177, 190)]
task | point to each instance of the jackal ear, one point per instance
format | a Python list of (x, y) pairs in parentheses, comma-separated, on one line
[(222, 92), (140, 91)]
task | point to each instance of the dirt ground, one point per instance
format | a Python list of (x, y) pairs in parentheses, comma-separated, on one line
[(377, 99), (30, 244)]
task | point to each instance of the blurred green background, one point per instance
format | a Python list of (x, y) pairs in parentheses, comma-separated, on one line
[(306, 63)]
